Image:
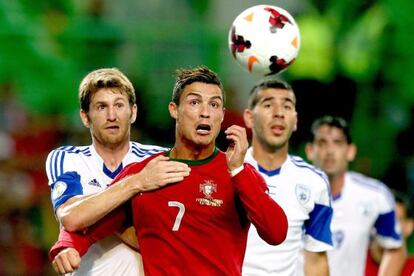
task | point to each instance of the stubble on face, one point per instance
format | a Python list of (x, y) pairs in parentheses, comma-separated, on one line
[(274, 118), (110, 118)]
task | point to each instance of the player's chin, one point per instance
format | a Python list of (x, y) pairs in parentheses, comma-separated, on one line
[(111, 136), (205, 140), (278, 140), (113, 139), (330, 169)]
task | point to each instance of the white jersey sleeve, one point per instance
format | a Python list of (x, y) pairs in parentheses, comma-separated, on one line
[(386, 225), (317, 229), (79, 170), (62, 169), (364, 206), (303, 193)]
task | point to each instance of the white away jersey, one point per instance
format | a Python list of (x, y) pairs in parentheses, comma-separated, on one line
[(79, 170), (364, 206), (303, 193)]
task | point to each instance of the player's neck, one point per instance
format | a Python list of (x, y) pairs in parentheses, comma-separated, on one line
[(112, 155), (191, 152), (269, 158), (337, 183)]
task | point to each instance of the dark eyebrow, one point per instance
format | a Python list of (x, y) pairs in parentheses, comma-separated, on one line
[(216, 98), (193, 94), (286, 99), (198, 95), (100, 103), (290, 100), (266, 99)]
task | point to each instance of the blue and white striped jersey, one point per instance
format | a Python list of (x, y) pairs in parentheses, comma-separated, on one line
[(79, 170), (303, 193), (83, 171), (365, 206)]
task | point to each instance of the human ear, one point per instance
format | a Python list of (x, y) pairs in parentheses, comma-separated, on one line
[(84, 117), (172, 108)]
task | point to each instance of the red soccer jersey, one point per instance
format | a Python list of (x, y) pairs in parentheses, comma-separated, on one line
[(198, 226)]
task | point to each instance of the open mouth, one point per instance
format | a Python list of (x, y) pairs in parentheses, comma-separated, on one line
[(112, 128), (203, 129), (278, 130)]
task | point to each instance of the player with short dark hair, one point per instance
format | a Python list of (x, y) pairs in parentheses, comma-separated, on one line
[(300, 189), (362, 205)]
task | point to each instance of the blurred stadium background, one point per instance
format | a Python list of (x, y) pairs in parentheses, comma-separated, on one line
[(356, 61)]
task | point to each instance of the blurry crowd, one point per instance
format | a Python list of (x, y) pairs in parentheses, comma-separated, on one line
[(27, 224)]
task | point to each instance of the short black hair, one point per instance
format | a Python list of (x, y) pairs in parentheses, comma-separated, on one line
[(265, 84), (331, 121), (186, 77)]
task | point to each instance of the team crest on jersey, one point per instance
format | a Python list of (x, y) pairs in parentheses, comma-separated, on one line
[(94, 182), (208, 188), (58, 189), (302, 193)]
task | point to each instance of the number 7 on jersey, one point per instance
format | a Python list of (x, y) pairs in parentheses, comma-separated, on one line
[(180, 214)]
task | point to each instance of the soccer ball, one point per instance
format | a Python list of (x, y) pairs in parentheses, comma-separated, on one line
[(264, 39)]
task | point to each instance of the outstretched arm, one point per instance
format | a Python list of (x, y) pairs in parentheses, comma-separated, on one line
[(82, 211)]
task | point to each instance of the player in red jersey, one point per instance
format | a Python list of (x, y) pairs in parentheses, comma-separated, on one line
[(197, 226)]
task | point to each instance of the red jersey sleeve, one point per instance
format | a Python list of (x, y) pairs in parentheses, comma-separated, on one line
[(267, 216), (82, 240)]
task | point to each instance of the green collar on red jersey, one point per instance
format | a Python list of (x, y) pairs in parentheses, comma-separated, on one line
[(196, 162)]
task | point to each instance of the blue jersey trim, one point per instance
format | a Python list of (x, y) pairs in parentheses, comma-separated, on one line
[(113, 174), (298, 162), (73, 188), (322, 175), (52, 168), (61, 163), (56, 164), (319, 223), (141, 152), (57, 158), (268, 173), (385, 225), (86, 151)]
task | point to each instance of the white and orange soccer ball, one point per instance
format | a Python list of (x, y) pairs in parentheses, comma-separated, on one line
[(264, 39)]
